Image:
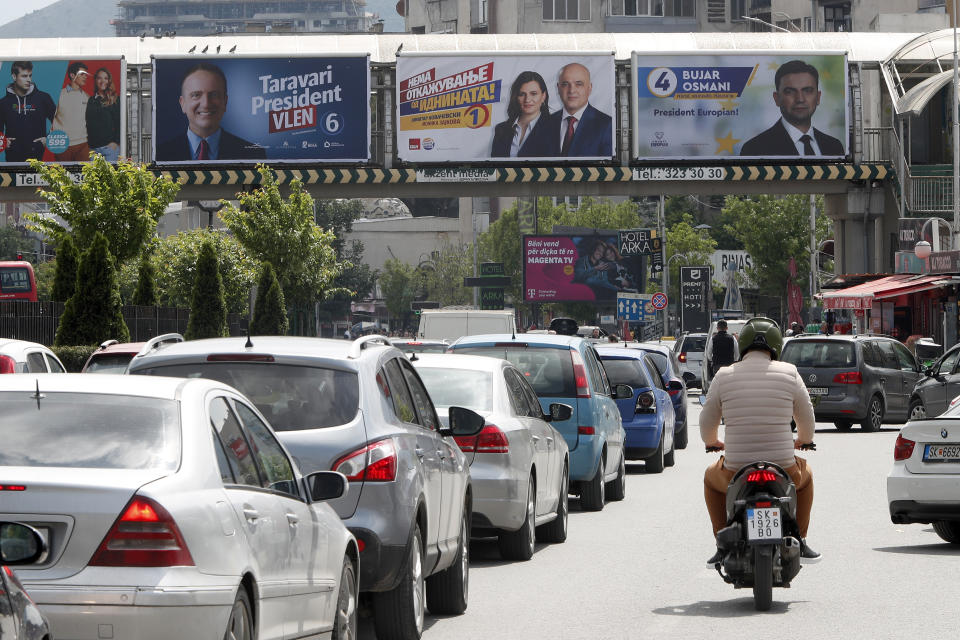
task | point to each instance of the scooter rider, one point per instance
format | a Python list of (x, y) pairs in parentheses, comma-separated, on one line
[(757, 397)]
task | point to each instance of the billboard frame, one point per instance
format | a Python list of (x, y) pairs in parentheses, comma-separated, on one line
[(571, 160), (251, 56), (635, 159)]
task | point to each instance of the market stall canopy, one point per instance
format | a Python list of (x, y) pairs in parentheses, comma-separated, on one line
[(861, 296)]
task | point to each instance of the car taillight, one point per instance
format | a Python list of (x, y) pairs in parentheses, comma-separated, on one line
[(848, 377), (375, 462), (674, 392), (586, 431), (12, 487), (491, 440), (761, 476), (580, 375), (903, 448), (467, 444), (8, 364), (646, 403), (682, 357), (145, 535)]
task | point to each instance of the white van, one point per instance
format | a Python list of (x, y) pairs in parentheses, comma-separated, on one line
[(443, 324)]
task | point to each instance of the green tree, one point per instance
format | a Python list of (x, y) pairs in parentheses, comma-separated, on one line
[(122, 201), (443, 280), (146, 293), (357, 278), (284, 232), (208, 312), (398, 285), (269, 312), (174, 260), (13, 243), (773, 230), (65, 277), (694, 245), (95, 312)]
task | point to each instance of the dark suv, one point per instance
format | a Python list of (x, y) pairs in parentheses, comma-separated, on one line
[(865, 379)]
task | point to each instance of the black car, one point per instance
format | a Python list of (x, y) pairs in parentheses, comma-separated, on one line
[(864, 379)]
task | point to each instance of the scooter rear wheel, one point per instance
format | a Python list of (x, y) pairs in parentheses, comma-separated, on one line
[(762, 577)]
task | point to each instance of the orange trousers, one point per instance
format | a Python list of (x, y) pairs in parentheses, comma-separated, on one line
[(717, 478)]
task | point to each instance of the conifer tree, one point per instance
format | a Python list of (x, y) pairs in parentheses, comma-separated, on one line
[(208, 312), (65, 276), (146, 293), (95, 312), (269, 312)]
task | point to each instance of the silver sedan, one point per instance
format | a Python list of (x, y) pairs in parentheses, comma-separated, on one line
[(170, 511), (519, 464)]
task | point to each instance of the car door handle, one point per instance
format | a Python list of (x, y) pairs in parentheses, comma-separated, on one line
[(440, 454), (251, 514), (293, 519), (536, 438), (419, 452), (883, 380)]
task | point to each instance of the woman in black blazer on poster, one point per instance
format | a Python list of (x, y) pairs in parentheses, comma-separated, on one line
[(525, 133)]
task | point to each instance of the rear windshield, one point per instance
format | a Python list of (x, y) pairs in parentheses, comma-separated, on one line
[(89, 431), (291, 397), (824, 354), (14, 280), (625, 371), (549, 371), (109, 363), (695, 343), (458, 388)]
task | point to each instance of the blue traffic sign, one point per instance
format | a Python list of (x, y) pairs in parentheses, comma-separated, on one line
[(635, 307)]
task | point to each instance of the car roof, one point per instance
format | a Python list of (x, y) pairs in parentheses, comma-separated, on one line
[(534, 339), (620, 352), (20, 344), (146, 386), (456, 361)]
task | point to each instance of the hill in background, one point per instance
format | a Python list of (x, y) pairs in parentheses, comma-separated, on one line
[(65, 19)]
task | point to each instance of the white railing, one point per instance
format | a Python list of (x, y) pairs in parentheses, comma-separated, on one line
[(922, 194)]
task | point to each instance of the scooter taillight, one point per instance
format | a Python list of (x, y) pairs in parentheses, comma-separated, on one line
[(763, 505), (761, 476)]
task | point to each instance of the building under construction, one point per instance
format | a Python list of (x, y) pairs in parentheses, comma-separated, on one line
[(210, 17)]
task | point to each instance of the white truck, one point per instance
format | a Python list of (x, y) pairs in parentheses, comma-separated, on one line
[(450, 324)]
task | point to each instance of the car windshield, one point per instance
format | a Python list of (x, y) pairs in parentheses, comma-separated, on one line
[(291, 397), (821, 354), (625, 371), (109, 363), (549, 371), (89, 431), (693, 343), (458, 387)]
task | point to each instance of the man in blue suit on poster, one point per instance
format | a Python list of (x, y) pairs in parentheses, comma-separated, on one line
[(203, 99), (580, 129)]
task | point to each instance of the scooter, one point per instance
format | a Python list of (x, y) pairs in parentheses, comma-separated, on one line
[(761, 543)]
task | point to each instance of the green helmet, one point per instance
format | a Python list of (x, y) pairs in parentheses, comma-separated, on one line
[(761, 333)]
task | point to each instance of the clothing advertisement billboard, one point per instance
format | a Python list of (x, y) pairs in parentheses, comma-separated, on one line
[(740, 105), (577, 268), (62, 110), (245, 110), (504, 106)]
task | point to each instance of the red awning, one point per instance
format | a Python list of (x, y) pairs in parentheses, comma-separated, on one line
[(862, 296)]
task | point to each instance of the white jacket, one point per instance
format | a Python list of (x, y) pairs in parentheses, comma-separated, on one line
[(756, 398)]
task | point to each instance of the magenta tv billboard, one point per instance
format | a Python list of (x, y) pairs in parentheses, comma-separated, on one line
[(578, 269)]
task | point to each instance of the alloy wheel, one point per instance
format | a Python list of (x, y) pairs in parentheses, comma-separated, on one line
[(418, 584), (531, 523)]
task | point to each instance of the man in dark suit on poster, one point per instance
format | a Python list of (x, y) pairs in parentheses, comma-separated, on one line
[(580, 129), (798, 95), (203, 99)]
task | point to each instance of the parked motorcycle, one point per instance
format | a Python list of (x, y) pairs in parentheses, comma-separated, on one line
[(761, 543)]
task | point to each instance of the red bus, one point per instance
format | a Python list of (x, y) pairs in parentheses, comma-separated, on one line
[(17, 281)]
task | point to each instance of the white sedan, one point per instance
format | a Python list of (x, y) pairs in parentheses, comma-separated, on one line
[(170, 511), (924, 484), (519, 464)]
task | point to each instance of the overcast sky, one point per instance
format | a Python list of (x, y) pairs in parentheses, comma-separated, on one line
[(13, 9)]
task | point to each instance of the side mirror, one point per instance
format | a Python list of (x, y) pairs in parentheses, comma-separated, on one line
[(20, 544), (326, 485), (702, 399), (676, 385), (929, 372), (622, 391), (463, 422), (559, 412)]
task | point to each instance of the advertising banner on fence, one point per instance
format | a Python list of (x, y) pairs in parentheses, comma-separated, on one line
[(62, 110), (740, 105), (248, 110), (503, 106), (575, 268)]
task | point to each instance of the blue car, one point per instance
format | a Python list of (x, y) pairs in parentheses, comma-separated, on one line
[(648, 416), (672, 375), (566, 369)]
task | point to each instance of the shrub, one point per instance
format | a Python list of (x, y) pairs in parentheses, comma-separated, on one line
[(208, 312), (269, 312), (65, 277), (74, 357)]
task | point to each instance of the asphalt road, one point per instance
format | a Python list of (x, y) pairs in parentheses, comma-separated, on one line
[(636, 570)]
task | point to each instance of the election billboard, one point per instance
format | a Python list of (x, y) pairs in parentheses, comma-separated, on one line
[(62, 110), (240, 110), (578, 268), (745, 105), (476, 107)]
